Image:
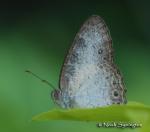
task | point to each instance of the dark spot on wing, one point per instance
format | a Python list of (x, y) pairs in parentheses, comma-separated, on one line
[(116, 93), (100, 66), (117, 96), (100, 51), (105, 58), (107, 77)]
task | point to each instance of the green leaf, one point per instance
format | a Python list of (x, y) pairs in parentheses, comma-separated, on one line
[(131, 112)]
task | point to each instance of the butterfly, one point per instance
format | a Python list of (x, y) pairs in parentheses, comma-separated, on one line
[(89, 77)]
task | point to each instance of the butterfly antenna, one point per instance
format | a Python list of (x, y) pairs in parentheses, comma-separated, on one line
[(44, 81)]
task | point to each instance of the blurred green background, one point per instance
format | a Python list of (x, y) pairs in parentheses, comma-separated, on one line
[(36, 35)]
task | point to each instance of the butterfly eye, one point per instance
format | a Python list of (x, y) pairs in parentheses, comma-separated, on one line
[(55, 94)]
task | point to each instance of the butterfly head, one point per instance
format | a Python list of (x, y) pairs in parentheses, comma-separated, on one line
[(56, 95), (61, 98)]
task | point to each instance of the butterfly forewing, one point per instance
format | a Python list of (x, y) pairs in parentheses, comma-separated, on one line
[(89, 77)]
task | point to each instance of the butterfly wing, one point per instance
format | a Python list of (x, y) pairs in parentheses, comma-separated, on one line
[(89, 77)]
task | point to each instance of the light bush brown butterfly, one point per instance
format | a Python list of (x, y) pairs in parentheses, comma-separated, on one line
[(89, 77)]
